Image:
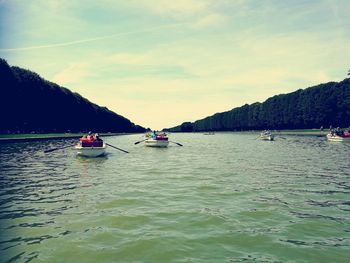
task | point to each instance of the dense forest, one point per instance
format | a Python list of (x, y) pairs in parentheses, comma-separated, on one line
[(32, 104), (322, 105)]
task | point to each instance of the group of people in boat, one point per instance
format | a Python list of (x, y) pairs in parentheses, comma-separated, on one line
[(339, 132), (157, 136), (91, 140), (266, 132)]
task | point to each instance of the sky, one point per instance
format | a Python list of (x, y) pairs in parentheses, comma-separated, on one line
[(160, 63)]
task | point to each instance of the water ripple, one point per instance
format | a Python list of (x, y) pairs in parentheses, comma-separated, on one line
[(222, 198)]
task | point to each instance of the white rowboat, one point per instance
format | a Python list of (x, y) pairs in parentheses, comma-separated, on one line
[(90, 151), (267, 136), (150, 142), (337, 138)]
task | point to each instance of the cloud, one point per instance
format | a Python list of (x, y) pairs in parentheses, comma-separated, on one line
[(73, 74), (177, 8), (130, 59), (80, 41), (210, 20)]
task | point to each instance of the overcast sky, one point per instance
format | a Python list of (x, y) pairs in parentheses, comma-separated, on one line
[(160, 63)]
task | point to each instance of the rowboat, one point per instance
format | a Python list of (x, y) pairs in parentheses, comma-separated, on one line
[(156, 143), (267, 136), (333, 137), (90, 151), (156, 140), (90, 146)]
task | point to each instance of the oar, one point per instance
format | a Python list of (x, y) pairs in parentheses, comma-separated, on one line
[(139, 141), (177, 143), (58, 148), (117, 148)]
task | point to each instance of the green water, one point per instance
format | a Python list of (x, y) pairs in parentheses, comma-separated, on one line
[(221, 198)]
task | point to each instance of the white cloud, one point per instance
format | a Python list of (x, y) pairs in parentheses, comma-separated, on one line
[(73, 74), (176, 8), (129, 59), (210, 20)]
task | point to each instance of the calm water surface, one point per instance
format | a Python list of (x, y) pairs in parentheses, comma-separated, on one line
[(221, 198)]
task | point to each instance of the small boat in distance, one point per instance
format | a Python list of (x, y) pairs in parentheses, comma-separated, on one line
[(209, 133), (156, 139), (266, 135), (337, 135), (90, 146)]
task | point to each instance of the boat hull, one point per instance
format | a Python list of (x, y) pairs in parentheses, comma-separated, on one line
[(156, 143), (267, 137), (336, 138), (90, 151)]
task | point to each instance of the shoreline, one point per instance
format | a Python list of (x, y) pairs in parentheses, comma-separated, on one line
[(315, 133), (9, 138), (43, 137), (289, 132), (275, 132)]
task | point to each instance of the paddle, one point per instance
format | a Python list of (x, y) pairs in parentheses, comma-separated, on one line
[(139, 141), (58, 148), (177, 143), (117, 148)]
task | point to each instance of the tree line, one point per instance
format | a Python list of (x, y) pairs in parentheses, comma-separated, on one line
[(322, 105), (31, 104)]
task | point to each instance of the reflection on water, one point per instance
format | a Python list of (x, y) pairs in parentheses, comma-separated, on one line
[(222, 198)]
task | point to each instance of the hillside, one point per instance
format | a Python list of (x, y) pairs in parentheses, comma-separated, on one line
[(322, 105), (32, 104)]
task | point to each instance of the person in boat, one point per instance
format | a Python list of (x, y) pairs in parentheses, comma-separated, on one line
[(98, 142), (154, 135), (266, 132), (339, 132), (89, 136), (87, 140), (347, 133)]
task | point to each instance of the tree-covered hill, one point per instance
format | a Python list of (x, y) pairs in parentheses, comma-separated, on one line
[(322, 105), (32, 104)]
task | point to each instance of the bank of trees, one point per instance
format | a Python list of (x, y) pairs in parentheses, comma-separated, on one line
[(322, 105), (32, 104)]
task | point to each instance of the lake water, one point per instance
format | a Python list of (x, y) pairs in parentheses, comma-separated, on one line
[(221, 198)]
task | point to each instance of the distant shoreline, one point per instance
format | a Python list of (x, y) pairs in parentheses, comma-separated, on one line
[(276, 132), (306, 132), (7, 138)]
